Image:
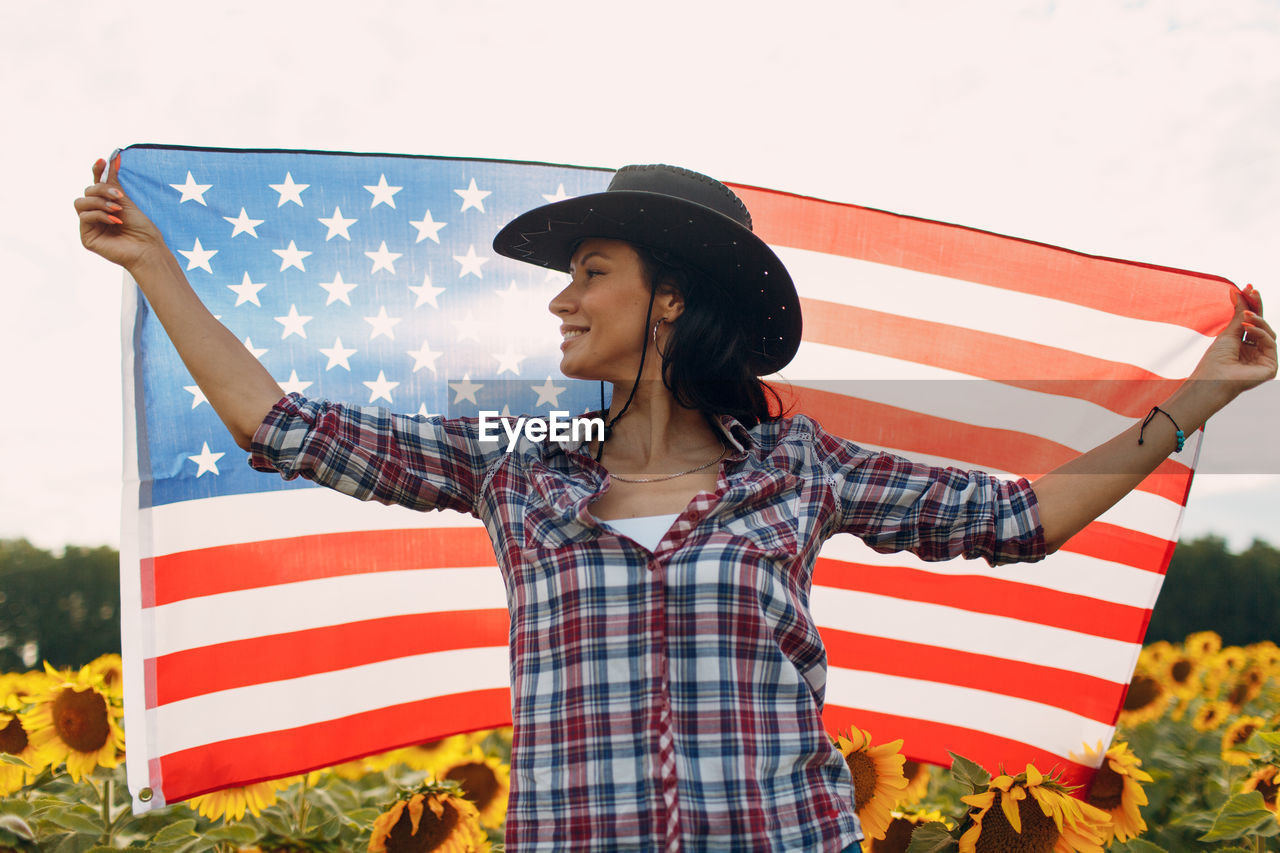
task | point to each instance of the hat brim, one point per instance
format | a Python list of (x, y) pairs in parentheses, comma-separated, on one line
[(757, 288)]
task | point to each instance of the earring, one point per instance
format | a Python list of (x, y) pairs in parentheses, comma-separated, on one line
[(661, 320)]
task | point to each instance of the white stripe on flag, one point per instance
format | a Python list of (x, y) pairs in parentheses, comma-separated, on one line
[(1043, 726), (976, 633), (1064, 571), (243, 614), (295, 702), (1164, 349)]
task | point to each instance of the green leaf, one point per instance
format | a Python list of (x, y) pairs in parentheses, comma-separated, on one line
[(78, 818), (1269, 740), (1139, 845), (1243, 814), (238, 832), (969, 774), (1234, 849), (13, 759), (14, 806), (931, 837), (174, 836)]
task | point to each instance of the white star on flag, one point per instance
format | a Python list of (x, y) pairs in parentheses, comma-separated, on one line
[(289, 191), (560, 195), (426, 293), (548, 393), (337, 225), (424, 357), (382, 259), (427, 229), (293, 323), (256, 352), (206, 462), (198, 257), (383, 326), (472, 197), (380, 388), (294, 384), (197, 396), (508, 360), (468, 328), (465, 390), (337, 355), (243, 224), (382, 193), (338, 289), (246, 291), (291, 257), (191, 191), (471, 263)]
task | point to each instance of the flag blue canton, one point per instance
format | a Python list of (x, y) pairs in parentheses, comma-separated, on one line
[(367, 279)]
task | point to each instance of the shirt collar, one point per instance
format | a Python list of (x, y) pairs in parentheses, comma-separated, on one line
[(737, 436)]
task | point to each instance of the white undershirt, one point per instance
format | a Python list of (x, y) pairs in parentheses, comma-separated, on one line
[(647, 530)]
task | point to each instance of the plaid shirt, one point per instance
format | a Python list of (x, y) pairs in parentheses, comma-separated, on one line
[(669, 699)]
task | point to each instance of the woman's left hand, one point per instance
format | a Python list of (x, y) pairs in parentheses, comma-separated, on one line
[(1244, 354)]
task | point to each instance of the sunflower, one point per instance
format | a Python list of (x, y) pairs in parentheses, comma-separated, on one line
[(1181, 675), (1157, 655), (1036, 815), (1247, 688), (917, 776), (1211, 715), (485, 781), (878, 782), (1266, 781), (434, 817), (76, 721), (428, 756), (1265, 654), (14, 741), (1202, 644), (898, 835), (231, 803), (1145, 700), (1117, 790), (108, 670), (1233, 751)]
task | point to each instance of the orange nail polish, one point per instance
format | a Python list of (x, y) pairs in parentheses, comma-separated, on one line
[(115, 220)]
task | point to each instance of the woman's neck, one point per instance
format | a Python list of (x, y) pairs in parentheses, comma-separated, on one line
[(655, 427)]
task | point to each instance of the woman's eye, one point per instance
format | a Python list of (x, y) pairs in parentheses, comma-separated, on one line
[(594, 273)]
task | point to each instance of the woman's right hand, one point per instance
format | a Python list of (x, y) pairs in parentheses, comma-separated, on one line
[(112, 226)]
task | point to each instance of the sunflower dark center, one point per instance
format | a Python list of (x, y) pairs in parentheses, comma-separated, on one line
[(1181, 670), (1239, 695), (80, 718), (863, 768), (13, 737), (431, 831), (1143, 691), (1268, 788), (897, 836), (1243, 733), (478, 782), (1107, 788), (1039, 834)]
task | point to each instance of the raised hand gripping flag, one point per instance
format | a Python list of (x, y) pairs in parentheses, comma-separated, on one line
[(271, 628)]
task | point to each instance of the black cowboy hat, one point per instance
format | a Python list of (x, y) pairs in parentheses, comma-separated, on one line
[(687, 217)]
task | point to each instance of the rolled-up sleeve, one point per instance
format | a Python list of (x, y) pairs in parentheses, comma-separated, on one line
[(371, 454), (894, 504)]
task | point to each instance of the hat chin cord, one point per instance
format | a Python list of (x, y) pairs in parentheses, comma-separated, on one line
[(608, 427)]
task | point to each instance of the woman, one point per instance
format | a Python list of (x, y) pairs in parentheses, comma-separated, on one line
[(667, 679)]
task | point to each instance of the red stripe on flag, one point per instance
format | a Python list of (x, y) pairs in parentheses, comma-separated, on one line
[(1010, 263), (983, 447), (1119, 387), (930, 742), (1086, 695), (1117, 544), (276, 657), (249, 565), (990, 595), (256, 758)]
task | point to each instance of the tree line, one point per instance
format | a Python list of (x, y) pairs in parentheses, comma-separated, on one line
[(65, 608)]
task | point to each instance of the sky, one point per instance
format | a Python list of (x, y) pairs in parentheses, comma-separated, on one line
[(1137, 129)]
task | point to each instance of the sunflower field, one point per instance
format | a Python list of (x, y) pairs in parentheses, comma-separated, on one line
[(1195, 766)]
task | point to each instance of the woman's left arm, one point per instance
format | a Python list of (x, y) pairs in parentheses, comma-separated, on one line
[(1076, 493)]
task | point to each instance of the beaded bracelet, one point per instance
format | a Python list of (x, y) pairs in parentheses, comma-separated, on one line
[(1182, 437)]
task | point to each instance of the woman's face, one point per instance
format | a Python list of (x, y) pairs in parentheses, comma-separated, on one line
[(602, 312)]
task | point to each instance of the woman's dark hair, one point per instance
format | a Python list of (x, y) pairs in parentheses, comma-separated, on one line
[(706, 363)]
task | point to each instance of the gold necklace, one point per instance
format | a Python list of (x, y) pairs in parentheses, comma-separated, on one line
[(724, 448)]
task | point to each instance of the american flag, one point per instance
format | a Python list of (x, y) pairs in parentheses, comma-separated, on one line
[(272, 628)]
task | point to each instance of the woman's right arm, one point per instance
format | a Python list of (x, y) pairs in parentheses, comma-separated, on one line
[(238, 387)]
